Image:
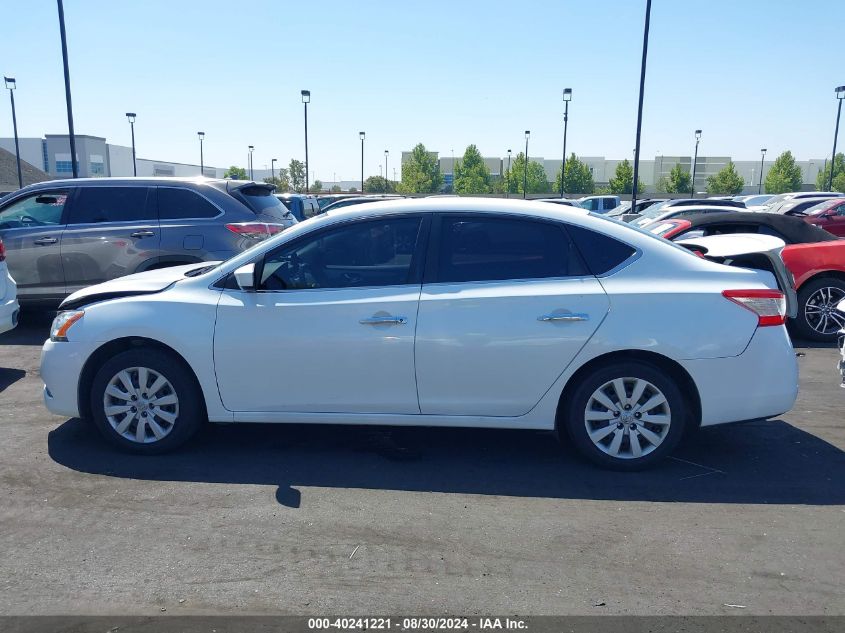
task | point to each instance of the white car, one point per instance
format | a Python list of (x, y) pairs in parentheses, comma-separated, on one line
[(9, 308), (449, 312), (841, 308), (651, 216)]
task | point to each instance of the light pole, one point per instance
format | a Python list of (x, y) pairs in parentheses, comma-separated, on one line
[(840, 94), (71, 136), (362, 136), (762, 158), (567, 97), (201, 136), (306, 99), (11, 85), (525, 169), (386, 188), (635, 183), (273, 170), (694, 164), (508, 181), (130, 116), (251, 149)]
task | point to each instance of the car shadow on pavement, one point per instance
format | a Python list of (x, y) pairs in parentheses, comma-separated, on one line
[(9, 376), (758, 463)]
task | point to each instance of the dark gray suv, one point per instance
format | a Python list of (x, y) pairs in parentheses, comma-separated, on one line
[(63, 235)]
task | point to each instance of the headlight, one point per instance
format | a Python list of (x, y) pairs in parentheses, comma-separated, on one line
[(63, 322)]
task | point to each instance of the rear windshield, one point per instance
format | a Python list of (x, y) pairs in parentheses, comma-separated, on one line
[(286, 202), (262, 200)]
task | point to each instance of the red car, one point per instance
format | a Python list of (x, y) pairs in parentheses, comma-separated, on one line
[(829, 215), (815, 258)]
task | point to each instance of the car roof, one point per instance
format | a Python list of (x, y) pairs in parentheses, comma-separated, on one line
[(796, 229)]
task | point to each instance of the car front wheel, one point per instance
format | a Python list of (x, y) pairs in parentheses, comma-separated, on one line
[(818, 319), (626, 416), (146, 401)]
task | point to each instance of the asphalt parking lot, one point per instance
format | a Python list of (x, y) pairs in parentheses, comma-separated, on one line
[(289, 519)]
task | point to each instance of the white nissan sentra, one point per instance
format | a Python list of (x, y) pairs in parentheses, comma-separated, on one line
[(433, 312)]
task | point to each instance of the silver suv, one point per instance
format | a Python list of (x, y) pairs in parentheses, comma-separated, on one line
[(63, 235)]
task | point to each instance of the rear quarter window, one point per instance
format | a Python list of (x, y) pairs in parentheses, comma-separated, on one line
[(601, 252), (177, 204)]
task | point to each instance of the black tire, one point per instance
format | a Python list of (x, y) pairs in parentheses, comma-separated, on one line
[(810, 294), (189, 413), (575, 422)]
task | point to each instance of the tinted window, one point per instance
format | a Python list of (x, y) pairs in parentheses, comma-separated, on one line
[(374, 253), (610, 203), (602, 253), (591, 205), (311, 208), (262, 200), (111, 204), (176, 204), (38, 210), (489, 249)]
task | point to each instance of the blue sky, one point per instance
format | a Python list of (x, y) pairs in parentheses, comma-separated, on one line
[(749, 73)]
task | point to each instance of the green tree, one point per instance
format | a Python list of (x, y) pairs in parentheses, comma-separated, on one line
[(578, 177), (679, 181), (317, 186), (296, 173), (623, 179), (471, 174), (235, 173), (421, 172), (377, 184), (336, 189), (281, 181), (352, 190), (838, 175), (726, 181), (784, 175), (536, 176)]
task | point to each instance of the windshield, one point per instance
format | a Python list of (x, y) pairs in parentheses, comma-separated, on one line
[(654, 210), (818, 209)]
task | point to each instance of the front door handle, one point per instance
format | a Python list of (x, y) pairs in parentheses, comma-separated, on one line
[(384, 320), (44, 241), (564, 317), (142, 234)]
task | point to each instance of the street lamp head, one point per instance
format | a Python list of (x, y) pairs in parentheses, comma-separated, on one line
[(386, 152), (251, 147), (362, 135), (567, 94), (840, 92), (131, 117), (306, 96), (527, 134), (273, 160), (697, 134), (201, 135), (509, 151), (764, 150), (10, 82)]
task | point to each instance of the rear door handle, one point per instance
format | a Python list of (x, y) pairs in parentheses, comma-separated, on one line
[(142, 234), (44, 241), (384, 320), (564, 317)]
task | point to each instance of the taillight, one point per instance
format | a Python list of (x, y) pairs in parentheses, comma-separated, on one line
[(255, 230), (2, 251), (768, 305)]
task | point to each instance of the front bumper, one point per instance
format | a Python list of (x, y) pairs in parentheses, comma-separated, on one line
[(61, 367), (9, 312)]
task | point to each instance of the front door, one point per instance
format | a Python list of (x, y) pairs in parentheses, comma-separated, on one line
[(31, 229), (510, 306), (111, 232), (331, 326)]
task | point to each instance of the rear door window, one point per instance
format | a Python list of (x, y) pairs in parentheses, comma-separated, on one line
[(601, 252), (495, 249), (94, 205), (178, 204)]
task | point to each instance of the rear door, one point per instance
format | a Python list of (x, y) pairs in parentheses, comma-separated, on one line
[(31, 228), (191, 228), (834, 222), (112, 231), (506, 306)]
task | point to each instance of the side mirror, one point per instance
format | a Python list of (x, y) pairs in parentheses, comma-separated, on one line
[(245, 277)]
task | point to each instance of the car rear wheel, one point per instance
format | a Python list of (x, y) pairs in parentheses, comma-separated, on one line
[(146, 401), (818, 319), (626, 416)]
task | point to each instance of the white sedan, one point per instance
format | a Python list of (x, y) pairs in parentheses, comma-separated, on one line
[(9, 307), (433, 312)]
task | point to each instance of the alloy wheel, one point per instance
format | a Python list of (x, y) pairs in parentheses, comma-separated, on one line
[(820, 310), (141, 405), (627, 418)]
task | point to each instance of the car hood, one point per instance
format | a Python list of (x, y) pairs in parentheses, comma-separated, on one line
[(138, 284), (749, 250)]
